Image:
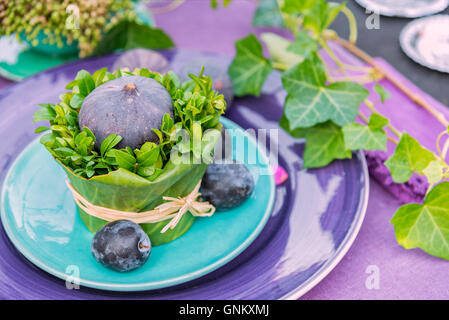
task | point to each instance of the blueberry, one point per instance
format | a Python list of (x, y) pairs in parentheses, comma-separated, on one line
[(227, 184), (121, 245)]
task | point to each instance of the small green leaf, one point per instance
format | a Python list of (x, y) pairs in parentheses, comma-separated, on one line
[(41, 129), (125, 160), (148, 158), (46, 112), (295, 6), (99, 75), (376, 121), (278, 48), (197, 138), (76, 101), (434, 171), (407, 158), (324, 143), (249, 68), (303, 45), (382, 92), (370, 137), (310, 101), (425, 226), (268, 14), (109, 142), (146, 171), (86, 83)]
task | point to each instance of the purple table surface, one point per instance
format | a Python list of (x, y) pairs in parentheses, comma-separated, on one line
[(402, 274)]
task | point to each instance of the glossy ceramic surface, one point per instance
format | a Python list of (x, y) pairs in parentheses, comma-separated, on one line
[(404, 8), (40, 217), (19, 60), (316, 215), (426, 41)]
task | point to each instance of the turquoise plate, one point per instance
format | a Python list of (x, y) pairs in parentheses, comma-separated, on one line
[(41, 219)]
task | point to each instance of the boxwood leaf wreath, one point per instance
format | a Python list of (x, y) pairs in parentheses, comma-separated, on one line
[(136, 180)]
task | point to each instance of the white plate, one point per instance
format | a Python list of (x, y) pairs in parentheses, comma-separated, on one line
[(426, 41), (404, 8)]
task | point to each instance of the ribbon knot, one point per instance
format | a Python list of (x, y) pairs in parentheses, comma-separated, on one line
[(173, 208)]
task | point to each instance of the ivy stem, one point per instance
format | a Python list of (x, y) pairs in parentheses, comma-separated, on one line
[(445, 150), (332, 55), (170, 7), (414, 97), (359, 79), (352, 24), (280, 66), (438, 144)]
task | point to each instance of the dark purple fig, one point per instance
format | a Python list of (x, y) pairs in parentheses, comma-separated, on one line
[(142, 58), (128, 106), (121, 245), (227, 184), (214, 69)]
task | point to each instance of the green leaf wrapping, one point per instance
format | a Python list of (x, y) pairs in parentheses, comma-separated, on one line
[(126, 191)]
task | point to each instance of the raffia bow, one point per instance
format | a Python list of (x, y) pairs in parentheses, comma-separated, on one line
[(173, 209)]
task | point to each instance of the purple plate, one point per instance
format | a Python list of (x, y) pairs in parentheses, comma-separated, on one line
[(316, 217)]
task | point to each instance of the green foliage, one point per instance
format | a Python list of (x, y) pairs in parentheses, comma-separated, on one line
[(425, 226), (382, 92), (371, 137), (249, 68), (268, 14), (303, 45), (197, 108), (64, 22), (278, 48), (323, 110), (325, 143), (408, 157), (311, 101), (129, 34)]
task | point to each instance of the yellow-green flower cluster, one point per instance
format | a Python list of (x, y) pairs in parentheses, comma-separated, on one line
[(63, 21)]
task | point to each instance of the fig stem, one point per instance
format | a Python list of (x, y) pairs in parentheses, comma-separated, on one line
[(130, 86)]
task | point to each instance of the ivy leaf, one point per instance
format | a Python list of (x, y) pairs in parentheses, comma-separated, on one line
[(278, 48), (324, 143), (303, 45), (268, 14), (382, 92), (407, 158), (370, 137), (425, 226), (295, 6), (249, 68), (128, 35), (434, 171), (311, 101)]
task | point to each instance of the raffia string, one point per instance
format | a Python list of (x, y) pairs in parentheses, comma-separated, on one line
[(173, 209)]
